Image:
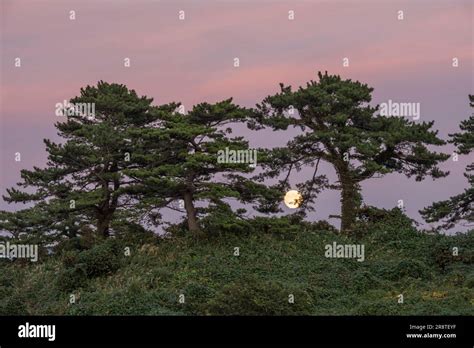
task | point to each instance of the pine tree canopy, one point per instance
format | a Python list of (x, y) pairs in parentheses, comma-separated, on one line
[(340, 127), (126, 163), (130, 160), (459, 207), (196, 170), (84, 181)]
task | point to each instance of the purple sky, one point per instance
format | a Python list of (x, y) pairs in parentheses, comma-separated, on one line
[(192, 61)]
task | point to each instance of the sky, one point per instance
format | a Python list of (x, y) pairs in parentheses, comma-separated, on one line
[(192, 61)]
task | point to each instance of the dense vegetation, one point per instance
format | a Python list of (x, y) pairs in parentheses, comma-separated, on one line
[(94, 208), (278, 257)]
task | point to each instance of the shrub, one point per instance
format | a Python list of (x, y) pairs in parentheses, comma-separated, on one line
[(128, 233), (222, 219), (441, 252), (382, 306), (123, 301), (384, 225), (470, 282), (11, 303), (251, 296), (364, 280), (283, 227), (102, 259), (71, 279), (396, 270)]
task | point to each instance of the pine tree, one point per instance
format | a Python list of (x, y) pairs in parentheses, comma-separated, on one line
[(201, 167), (84, 181), (340, 127), (460, 207)]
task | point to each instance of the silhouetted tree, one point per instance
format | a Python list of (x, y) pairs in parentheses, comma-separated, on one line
[(203, 165), (84, 181), (341, 128), (460, 207)]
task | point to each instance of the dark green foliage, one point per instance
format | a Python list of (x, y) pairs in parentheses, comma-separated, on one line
[(465, 140), (386, 226), (85, 180), (132, 234), (252, 296), (340, 127), (278, 257), (459, 207), (442, 250), (70, 279), (364, 280), (396, 270), (383, 306), (123, 167), (442, 253), (101, 260), (11, 303), (470, 281), (370, 216), (192, 169), (131, 300), (223, 220)]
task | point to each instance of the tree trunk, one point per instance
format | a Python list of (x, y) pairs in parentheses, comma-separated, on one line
[(103, 222), (348, 207), (349, 200), (109, 205), (193, 225)]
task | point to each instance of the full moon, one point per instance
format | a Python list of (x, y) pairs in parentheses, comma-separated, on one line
[(293, 199)]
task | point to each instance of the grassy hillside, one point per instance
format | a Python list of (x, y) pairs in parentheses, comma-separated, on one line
[(278, 257)]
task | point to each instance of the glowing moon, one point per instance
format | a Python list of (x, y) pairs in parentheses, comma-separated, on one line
[(293, 199)]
